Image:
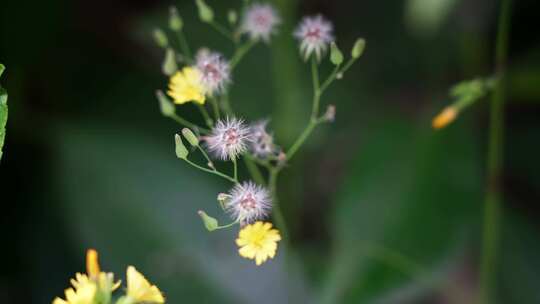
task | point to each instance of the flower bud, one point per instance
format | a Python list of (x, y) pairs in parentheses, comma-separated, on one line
[(175, 21), (210, 223), (358, 48), (206, 14), (2, 68), (447, 115), (336, 57), (181, 151), (169, 63), (165, 105), (160, 38), (232, 16), (191, 138), (330, 114)]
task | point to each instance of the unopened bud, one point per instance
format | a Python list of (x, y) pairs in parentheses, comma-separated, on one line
[(181, 151), (223, 198), (175, 21), (336, 57), (206, 14), (169, 63), (444, 118), (358, 48), (165, 105), (232, 16), (160, 38), (2, 68), (190, 136), (330, 114), (210, 223)]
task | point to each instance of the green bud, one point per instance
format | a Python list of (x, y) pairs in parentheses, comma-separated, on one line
[(181, 151), (210, 223), (2, 68), (335, 54), (191, 138), (206, 14), (232, 16), (175, 21), (165, 105), (169, 63), (358, 48), (160, 38)]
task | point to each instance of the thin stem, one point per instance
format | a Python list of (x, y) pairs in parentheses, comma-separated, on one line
[(235, 166), (330, 78), (222, 30), (227, 226), (206, 116), (184, 46), (254, 171), (215, 108), (225, 176), (227, 105), (493, 201), (210, 163), (241, 52), (277, 214), (188, 124), (313, 121)]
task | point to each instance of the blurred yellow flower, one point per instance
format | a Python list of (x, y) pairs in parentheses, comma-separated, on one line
[(140, 290), (444, 118), (92, 264), (258, 242), (83, 293), (186, 86)]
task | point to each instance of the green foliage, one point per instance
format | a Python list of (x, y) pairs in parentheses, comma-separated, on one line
[(3, 112), (405, 208)]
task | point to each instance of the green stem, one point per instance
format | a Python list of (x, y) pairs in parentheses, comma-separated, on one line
[(188, 124), (241, 52), (235, 166), (330, 78), (227, 226), (184, 46), (227, 105), (313, 121), (223, 31), (206, 116), (254, 171), (215, 172), (215, 108), (210, 162), (277, 214), (493, 201)]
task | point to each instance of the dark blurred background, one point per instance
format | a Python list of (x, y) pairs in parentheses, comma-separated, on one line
[(382, 208)]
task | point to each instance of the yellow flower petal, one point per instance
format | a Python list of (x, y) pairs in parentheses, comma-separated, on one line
[(185, 86), (258, 242), (140, 290), (92, 264)]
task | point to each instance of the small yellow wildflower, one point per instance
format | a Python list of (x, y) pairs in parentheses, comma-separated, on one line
[(444, 118), (140, 290), (186, 86), (258, 242), (84, 292)]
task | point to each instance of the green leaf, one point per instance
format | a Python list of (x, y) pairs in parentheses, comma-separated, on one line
[(404, 209), (3, 113)]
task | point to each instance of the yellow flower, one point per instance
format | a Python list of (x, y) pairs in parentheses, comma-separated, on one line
[(83, 292), (186, 86), (92, 264), (258, 242), (140, 290), (105, 280), (444, 118)]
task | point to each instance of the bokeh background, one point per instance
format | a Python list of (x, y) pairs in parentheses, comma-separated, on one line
[(382, 208)]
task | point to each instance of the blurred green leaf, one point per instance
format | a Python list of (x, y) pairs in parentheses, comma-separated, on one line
[(3, 112), (519, 263), (403, 211), (125, 193), (425, 17)]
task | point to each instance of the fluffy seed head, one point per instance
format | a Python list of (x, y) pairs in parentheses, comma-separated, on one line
[(248, 202), (262, 144), (215, 71), (260, 21), (229, 138), (314, 34)]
